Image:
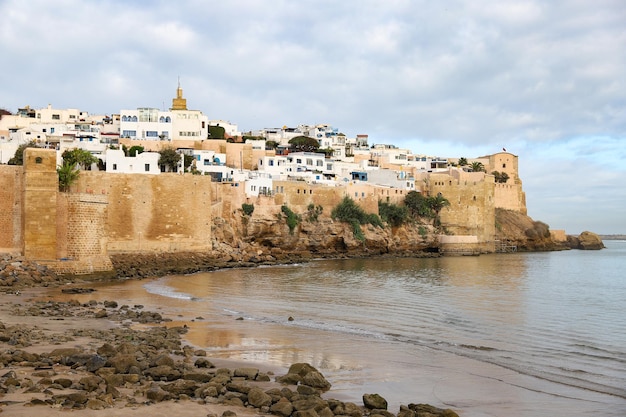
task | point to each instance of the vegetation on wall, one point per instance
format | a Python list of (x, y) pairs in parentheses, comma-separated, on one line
[(247, 209), (393, 214), (216, 132), (501, 177), (79, 157), (313, 212), (417, 204), (68, 175), (348, 211), (477, 167), (304, 144), (169, 158), (292, 218), (18, 157), (134, 150)]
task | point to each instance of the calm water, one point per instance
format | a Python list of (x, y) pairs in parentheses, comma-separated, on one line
[(540, 334)]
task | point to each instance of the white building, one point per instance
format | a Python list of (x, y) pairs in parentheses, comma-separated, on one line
[(142, 163), (179, 123)]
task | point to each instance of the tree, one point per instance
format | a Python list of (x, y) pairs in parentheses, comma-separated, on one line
[(500, 177), (18, 157), (134, 150), (417, 204), (271, 144), (393, 214), (304, 144), (478, 166), (68, 174), (216, 132), (462, 161), (79, 157), (169, 158), (437, 203)]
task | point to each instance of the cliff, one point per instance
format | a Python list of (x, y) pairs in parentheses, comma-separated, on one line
[(517, 229)]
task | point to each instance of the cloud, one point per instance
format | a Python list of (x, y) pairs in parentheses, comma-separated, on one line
[(461, 75)]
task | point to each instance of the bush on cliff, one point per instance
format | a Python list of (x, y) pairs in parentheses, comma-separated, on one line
[(292, 218), (393, 214), (349, 212), (247, 209)]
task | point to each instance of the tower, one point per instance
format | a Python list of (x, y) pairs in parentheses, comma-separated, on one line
[(179, 103)]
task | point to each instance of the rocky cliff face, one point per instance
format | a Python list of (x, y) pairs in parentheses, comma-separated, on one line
[(530, 235), (321, 238)]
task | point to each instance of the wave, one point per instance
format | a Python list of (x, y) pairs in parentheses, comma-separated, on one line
[(165, 291)]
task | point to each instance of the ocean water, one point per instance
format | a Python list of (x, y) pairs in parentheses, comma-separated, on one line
[(522, 334)]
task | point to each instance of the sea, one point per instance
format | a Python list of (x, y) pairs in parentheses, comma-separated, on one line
[(517, 334)]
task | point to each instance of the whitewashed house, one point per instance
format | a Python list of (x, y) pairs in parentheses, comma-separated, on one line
[(142, 163)]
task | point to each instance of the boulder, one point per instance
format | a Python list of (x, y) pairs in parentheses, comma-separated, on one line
[(282, 408), (590, 241), (374, 402), (258, 398), (426, 410)]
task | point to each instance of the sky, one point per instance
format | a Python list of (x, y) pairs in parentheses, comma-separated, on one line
[(457, 78)]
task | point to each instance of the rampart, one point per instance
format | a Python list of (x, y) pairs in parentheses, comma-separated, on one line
[(110, 213)]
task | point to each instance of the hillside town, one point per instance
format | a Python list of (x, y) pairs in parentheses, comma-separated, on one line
[(256, 158), (143, 177)]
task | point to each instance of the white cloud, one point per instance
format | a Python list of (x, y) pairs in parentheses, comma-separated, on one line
[(461, 75)]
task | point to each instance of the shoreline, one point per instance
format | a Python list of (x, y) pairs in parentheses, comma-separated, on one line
[(32, 331)]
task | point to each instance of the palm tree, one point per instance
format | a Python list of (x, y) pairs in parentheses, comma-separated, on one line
[(462, 161), (68, 174), (478, 166), (436, 203)]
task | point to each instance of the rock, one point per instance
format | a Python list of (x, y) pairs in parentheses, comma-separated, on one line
[(590, 241), (203, 363), (258, 398), (96, 404), (162, 372), (157, 394), (426, 410), (247, 373), (90, 383), (282, 408), (95, 362), (182, 387), (374, 401), (123, 362), (316, 380)]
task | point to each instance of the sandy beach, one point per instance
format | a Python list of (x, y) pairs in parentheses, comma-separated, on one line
[(48, 347)]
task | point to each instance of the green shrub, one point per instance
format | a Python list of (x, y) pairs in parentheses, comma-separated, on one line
[(313, 212), (393, 214), (349, 212), (247, 209), (292, 218)]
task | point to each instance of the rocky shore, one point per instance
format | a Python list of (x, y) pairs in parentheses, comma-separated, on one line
[(67, 356)]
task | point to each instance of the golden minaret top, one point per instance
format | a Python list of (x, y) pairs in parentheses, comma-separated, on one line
[(179, 103)]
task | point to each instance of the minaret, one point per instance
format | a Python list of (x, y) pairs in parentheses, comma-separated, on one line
[(179, 103)]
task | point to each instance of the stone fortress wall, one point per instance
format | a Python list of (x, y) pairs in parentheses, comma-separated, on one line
[(106, 213)]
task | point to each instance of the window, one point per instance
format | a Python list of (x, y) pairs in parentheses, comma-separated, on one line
[(114, 167), (207, 162), (329, 167), (298, 161), (309, 161), (503, 165), (271, 162), (147, 167), (134, 119), (152, 133), (56, 117), (38, 160), (319, 163), (129, 133)]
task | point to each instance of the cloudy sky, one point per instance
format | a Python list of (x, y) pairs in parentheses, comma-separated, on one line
[(544, 79)]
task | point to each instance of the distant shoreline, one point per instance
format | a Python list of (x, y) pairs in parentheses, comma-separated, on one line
[(612, 237)]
